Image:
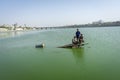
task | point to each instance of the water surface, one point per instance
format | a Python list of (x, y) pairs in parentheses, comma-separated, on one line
[(98, 60)]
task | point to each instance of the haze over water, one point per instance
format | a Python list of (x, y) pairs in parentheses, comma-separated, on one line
[(98, 60)]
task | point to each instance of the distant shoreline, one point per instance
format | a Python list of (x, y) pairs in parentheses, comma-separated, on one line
[(99, 23), (62, 27)]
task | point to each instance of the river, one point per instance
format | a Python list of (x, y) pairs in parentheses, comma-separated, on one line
[(98, 60)]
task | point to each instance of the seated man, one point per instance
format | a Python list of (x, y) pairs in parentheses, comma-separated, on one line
[(81, 39), (74, 40)]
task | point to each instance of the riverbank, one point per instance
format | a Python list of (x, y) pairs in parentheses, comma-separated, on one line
[(3, 30)]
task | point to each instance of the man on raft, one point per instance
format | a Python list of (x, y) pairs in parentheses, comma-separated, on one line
[(77, 40)]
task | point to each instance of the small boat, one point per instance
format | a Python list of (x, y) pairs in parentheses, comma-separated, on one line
[(76, 43), (66, 46), (40, 45), (73, 45)]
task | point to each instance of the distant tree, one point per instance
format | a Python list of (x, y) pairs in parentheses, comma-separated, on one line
[(15, 25)]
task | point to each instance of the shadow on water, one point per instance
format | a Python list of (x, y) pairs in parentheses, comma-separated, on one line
[(78, 55)]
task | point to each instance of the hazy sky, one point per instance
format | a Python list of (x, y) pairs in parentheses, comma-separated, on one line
[(57, 12)]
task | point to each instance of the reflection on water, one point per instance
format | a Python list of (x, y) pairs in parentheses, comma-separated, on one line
[(78, 55), (10, 34)]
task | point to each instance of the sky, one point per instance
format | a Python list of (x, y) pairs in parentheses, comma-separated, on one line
[(50, 13)]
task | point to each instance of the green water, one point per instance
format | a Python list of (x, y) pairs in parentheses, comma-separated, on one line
[(98, 60)]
